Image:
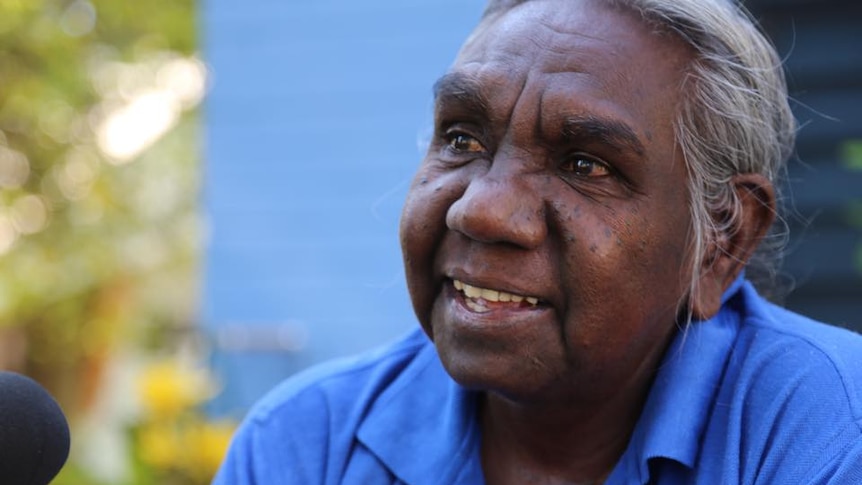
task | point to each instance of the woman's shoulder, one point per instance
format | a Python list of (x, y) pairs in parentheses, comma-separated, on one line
[(791, 399), (352, 381), (304, 430)]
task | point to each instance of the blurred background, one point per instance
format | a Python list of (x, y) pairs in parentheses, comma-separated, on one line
[(199, 199)]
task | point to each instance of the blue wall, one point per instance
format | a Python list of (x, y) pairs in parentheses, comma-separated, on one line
[(314, 126)]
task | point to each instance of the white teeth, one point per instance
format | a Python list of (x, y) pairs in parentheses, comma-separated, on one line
[(472, 291), (486, 294)]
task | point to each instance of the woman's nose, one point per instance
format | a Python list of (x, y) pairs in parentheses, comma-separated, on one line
[(500, 208)]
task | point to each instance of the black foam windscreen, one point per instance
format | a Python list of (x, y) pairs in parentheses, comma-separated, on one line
[(34, 434)]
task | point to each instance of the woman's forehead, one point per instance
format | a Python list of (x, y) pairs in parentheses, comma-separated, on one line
[(590, 36)]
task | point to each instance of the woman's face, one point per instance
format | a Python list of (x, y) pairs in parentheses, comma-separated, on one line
[(546, 232)]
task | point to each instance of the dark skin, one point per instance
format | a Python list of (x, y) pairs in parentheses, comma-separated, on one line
[(554, 175)]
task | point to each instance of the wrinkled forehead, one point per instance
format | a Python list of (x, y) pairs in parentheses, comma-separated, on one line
[(564, 36), (548, 24), (561, 44)]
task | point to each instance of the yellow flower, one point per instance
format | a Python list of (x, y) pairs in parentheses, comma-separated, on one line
[(208, 442), (168, 388), (160, 446)]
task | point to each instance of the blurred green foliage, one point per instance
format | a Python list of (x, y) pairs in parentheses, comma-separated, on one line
[(98, 246), (99, 230), (851, 158), (851, 155)]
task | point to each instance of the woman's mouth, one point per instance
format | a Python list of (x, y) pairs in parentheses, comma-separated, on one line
[(483, 300)]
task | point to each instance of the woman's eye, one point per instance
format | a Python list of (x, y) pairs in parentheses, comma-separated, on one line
[(464, 143), (584, 166)]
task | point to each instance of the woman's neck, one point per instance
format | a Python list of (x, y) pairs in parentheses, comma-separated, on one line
[(555, 443)]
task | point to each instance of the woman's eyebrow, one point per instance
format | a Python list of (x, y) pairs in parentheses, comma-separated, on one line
[(461, 89), (607, 131)]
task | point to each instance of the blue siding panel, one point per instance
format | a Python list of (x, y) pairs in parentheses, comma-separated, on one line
[(315, 121)]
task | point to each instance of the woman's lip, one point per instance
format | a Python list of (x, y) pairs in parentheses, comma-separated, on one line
[(496, 318)]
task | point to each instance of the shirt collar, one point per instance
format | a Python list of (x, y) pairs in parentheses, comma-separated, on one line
[(678, 405), (424, 409)]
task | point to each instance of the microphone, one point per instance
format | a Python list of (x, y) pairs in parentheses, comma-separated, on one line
[(34, 434)]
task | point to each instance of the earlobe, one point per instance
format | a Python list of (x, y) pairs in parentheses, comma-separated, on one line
[(729, 252)]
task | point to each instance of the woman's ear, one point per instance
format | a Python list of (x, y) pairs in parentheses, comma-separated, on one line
[(728, 253)]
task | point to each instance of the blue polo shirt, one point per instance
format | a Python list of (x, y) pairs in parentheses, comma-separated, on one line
[(755, 395)]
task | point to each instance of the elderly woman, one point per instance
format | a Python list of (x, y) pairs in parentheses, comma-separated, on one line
[(575, 242)]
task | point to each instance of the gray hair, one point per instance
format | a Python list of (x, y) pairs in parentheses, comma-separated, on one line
[(734, 118)]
